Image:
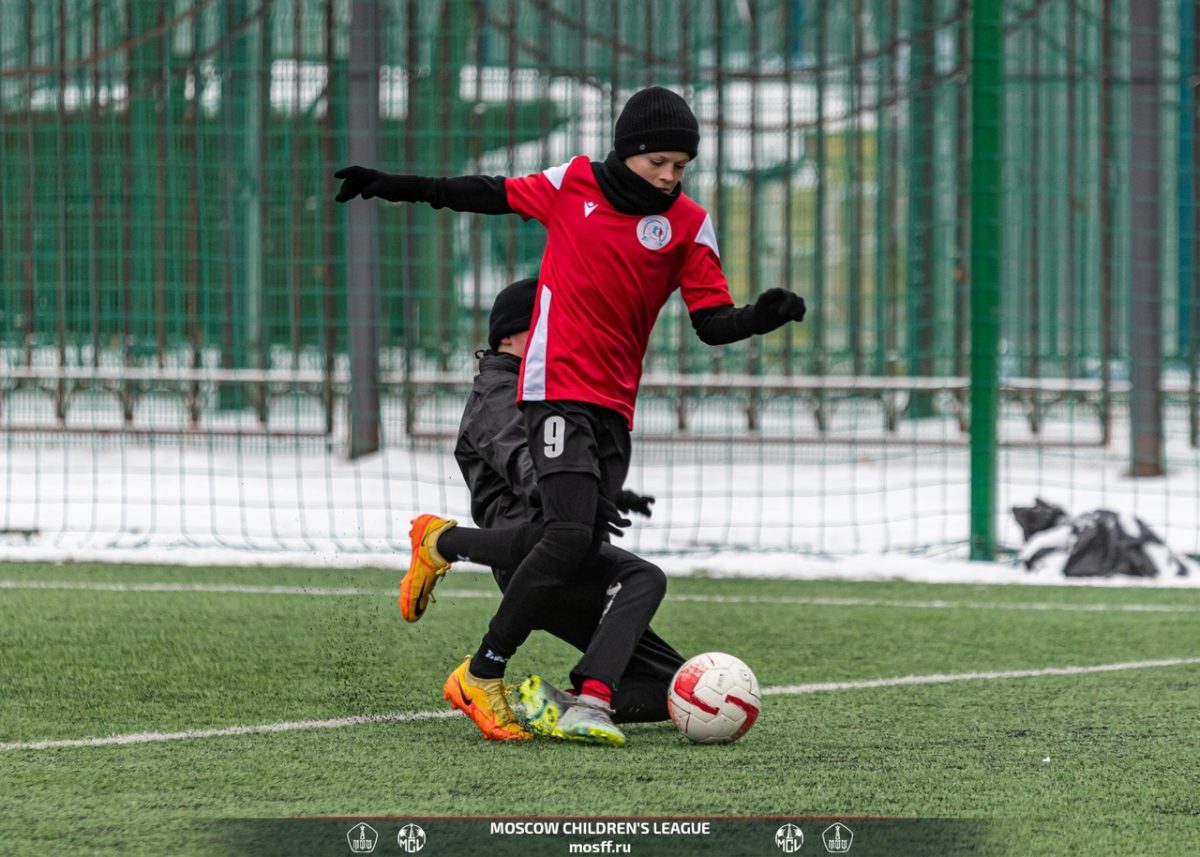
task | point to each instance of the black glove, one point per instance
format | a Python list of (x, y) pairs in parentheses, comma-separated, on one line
[(630, 501), (775, 308), (609, 518), (368, 183)]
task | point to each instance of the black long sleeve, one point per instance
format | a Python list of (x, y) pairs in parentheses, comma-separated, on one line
[(478, 194), (723, 325)]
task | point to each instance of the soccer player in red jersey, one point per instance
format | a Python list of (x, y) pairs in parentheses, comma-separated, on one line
[(621, 236), (493, 454)]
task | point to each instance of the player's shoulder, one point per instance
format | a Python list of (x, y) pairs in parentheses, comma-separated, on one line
[(572, 169), (687, 207), (690, 215)]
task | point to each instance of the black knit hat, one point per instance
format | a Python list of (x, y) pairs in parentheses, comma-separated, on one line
[(511, 311), (656, 120)]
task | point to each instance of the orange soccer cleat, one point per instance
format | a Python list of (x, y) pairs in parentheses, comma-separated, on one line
[(426, 566), (485, 701)]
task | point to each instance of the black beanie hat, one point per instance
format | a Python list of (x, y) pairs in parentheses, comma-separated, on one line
[(512, 311), (656, 120)]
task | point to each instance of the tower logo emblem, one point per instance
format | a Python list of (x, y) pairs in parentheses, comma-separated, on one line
[(838, 838), (362, 838)]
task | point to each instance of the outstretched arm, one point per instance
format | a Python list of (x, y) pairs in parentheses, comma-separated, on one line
[(479, 194), (773, 309)]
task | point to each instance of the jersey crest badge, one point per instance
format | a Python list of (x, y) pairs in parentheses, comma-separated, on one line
[(654, 232)]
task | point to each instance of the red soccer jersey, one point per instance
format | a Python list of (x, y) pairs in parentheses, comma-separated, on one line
[(604, 278)]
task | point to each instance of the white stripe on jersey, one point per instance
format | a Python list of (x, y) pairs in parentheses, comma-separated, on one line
[(708, 235), (555, 174), (534, 388)]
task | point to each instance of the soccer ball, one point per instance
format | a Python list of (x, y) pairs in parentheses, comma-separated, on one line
[(714, 698)]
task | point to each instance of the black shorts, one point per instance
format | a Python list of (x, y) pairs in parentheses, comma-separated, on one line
[(578, 437)]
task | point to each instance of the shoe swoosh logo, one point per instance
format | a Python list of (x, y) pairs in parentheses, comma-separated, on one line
[(462, 693)]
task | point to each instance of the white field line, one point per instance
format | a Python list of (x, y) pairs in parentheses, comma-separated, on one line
[(794, 689), (785, 690), (821, 601), (814, 601), (266, 728), (236, 588)]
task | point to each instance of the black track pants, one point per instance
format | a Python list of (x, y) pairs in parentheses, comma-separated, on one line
[(500, 547), (561, 557)]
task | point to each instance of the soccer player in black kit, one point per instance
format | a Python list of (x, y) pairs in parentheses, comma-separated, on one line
[(493, 455)]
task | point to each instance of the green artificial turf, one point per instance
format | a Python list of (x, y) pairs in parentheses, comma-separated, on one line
[(1097, 764)]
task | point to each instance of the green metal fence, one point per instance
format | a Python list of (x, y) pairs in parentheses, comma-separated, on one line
[(990, 207)]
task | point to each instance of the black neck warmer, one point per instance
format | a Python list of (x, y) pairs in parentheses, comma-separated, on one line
[(628, 192)]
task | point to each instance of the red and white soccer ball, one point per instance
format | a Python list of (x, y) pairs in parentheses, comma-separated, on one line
[(714, 698)]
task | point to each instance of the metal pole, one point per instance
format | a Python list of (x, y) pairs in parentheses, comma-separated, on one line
[(242, 123), (855, 220), (1145, 334), (987, 189), (1186, 204), (363, 301), (754, 358), (920, 305), (1193, 351), (1107, 203), (962, 202)]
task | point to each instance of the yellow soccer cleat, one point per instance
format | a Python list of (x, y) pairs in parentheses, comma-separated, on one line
[(485, 702), (589, 724), (540, 704), (426, 566)]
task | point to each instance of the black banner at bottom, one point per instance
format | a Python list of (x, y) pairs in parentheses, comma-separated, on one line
[(639, 837)]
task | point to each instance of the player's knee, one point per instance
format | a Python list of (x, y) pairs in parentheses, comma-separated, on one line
[(656, 581), (647, 579), (652, 582), (569, 544)]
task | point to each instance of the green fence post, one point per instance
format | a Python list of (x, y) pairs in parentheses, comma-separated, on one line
[(242, 117), (1187, 202), (987, 121)]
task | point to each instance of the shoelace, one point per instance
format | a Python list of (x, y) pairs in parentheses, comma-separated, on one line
[(498, 699)]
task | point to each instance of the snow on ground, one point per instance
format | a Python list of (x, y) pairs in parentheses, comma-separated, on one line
[(862, 511)]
